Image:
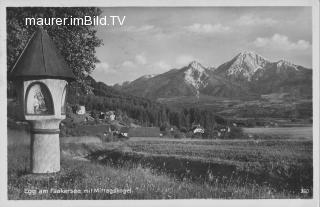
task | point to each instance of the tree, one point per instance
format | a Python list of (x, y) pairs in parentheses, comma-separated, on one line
[(76, 43)]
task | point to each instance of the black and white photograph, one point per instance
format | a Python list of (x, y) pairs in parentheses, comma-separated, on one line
[(124, 102)]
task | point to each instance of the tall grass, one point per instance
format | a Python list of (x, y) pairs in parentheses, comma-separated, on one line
[(144, 182), (172, 178)]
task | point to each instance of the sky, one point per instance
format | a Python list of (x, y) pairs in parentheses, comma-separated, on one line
[(153, 40)]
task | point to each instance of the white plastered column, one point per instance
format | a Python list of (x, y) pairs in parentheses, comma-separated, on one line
[(45, 143)]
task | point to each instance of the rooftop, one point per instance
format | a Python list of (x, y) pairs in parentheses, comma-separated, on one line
[(40, 59)]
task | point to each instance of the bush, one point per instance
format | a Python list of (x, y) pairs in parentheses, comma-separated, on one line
[(167, 134), (165, 127), (106, 137), (183, 129), (235, 133), (179, 135), (189, 134), (197, 136), (209, 134)]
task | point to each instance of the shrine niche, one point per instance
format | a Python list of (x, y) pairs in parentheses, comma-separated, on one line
[(38, 100)]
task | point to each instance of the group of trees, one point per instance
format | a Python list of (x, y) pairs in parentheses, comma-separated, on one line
[(76, 43), (144, 111)]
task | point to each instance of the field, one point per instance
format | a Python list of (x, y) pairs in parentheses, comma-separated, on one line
[(292, 132), (153, 168), (276, 105)]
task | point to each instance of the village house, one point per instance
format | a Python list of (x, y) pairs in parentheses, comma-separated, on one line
[(102, 115), (222, 130), (109, 115), (114, 129), (197, 129), (81, 110), (118, 130), (124, 132)]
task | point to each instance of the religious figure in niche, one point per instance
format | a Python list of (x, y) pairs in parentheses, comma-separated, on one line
[(39, 104), (39, 101)]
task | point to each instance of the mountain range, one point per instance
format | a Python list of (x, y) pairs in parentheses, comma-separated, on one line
[(245, 76)]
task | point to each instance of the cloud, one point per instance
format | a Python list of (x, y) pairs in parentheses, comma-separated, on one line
[(141, 29), (184, 60), (161, 66), (278, 41), (141, 59), (135, 62), (151, 31), (207, 28), (104, 68), (253, 20), (128, 64)]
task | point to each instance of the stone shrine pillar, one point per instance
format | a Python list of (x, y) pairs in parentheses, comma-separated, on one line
[(40, 77)]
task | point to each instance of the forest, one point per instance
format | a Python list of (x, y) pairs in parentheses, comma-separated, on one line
[(144, 111)]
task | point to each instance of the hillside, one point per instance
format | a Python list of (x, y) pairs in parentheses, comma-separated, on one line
[(262, 76), (106, 98), (246, 76), (190, 80), (143, 111)]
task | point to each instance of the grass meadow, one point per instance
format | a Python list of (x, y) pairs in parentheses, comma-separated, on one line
[(166, 169)]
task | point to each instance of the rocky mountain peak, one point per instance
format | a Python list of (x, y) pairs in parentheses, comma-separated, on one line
[(286, 64), (246, 63), (249, 57), (246, 75), (196, 65), (196, 75)]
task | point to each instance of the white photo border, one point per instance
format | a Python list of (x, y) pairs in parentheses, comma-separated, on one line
[(160, 3)]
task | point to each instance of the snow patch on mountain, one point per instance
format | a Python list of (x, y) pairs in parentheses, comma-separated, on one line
[(246, 64), (284, 64), (196, 75), (148, 76)]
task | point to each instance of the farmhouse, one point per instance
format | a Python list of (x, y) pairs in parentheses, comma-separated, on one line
[(81, 110), (222, 130), (102, 115), (197, 129), (124, 132), (114, 129), (109, 115)]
